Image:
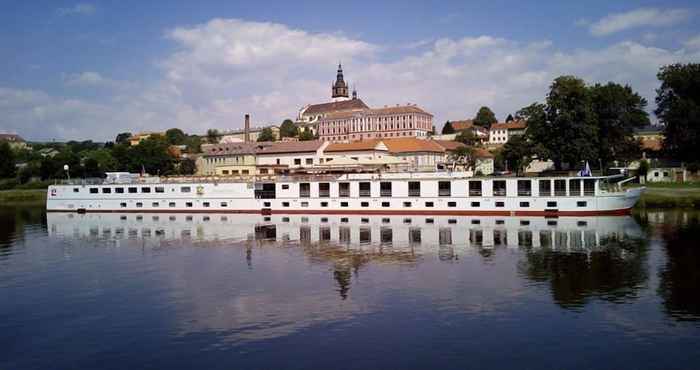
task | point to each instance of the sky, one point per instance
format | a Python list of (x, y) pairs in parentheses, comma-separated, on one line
[(90, 70)]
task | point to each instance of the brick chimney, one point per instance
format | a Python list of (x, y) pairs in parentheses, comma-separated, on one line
[(247, 128)]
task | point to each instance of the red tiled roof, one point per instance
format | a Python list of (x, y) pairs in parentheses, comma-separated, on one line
[(353, 146), (509, 125), (482, 153), (462, 125), (351, 104), (449, 144), (279, 147), (411, 144), (402, 109)]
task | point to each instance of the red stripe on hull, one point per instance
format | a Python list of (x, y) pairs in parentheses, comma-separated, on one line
[(615, 212)]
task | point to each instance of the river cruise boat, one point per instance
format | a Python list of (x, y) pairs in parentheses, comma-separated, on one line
[(435, 193)]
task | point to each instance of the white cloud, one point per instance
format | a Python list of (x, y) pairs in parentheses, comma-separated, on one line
[(93, 79), (693, 42), (226, 68), (77, 9), (643, 17)]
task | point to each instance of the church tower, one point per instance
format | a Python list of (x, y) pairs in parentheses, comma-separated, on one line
[(339, 90)]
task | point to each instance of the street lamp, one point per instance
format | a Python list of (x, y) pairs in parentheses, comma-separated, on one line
[(66, 168)]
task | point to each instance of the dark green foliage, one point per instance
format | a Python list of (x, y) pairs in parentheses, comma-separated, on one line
[(517, 153), (306, 135), (288, 129), (678, 108), (175, 136), (266, 135), (123, 138), (194, 144), (510, 118), (213, 136), (152, 155), (485, 117), (467, 137), (448, 129), (7, 161), (187, 167)]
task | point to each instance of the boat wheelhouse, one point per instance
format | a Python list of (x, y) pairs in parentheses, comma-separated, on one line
[(439, 193)]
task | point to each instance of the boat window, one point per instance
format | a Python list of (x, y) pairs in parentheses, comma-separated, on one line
[(265, 191), (344, 220), (324, 204), (344, 189), (364, 204), (285, 204), (414, 188), (119, 190), (444, 188), (476, 204), (324, 189), (343, 204), (407, 204), (155, 204), (139, 205), (76, 190), (205, 204), (560, 188), (106, 190), (133, 190), (500, 204), (589, 187), (224, 204), (94, 190), (452, 204), (304, 204), (123, 205), (386, 204), (524, 188), (304, 190), (185, 189), (575, 187), (475, 188), (429, 204), (581, 204), (160, 189), (499, 188), (146, 190), (365, 189), (171, 204), (385, 189), (188, 204), (545, 188), (500, 222), (285, 186), (551, 204)]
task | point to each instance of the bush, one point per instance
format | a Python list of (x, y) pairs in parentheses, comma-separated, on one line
[(7, 184)]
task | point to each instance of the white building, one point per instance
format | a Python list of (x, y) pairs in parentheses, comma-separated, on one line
[(500, 133)]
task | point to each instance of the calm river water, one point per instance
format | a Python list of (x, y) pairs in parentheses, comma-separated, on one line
[(147, 291)]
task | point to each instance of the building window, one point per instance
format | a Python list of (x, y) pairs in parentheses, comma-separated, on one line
[(224, 172), (500, 204), (344, 189), (452, 204), (185, 189), (499, 188), (160, 189), (414, 188), (386, 204), (106, 190), (545, 188), (324, 189), (364, 204), (524, 188), (385, 189), (297, 161), (444, 188), (94, 190), (365, 189), (475, 188), (145, 190), (309, 161), (429, 204), (304, 190)]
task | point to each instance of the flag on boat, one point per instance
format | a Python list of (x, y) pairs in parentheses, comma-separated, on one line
[(586, 171)]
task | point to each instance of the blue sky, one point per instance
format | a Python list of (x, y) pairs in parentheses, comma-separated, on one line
[(88, 70)]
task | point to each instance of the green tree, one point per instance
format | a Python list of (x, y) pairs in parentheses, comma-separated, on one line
[(618, 111), (643, 170), (194, 144), (102, 160), (467, 137), (188, 166), (306, 135), (564, 129), (678, 108), (485, 117), (517, 153), (266, 135), (152, 155), (213, 136), (8, 166), (447, 128), (288, 129), (123, 138), (464, 155), (510, 118), (175, 136)]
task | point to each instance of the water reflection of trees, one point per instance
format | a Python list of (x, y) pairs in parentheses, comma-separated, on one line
[(679, 283), (615, 272), (13, 221)]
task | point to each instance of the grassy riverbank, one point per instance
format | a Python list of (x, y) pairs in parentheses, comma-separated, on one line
[(22, 196), (670, 197)]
